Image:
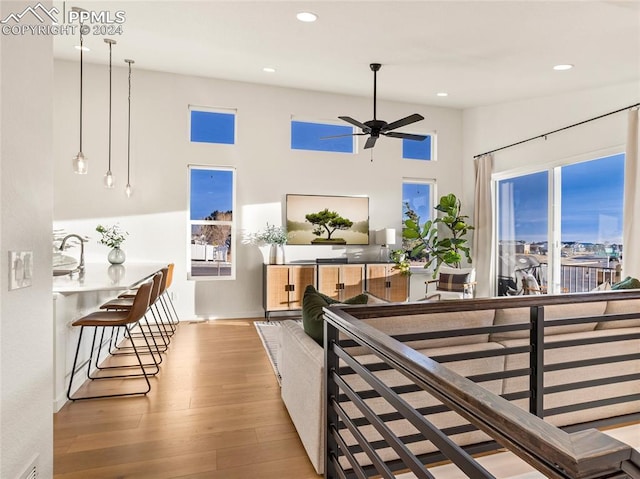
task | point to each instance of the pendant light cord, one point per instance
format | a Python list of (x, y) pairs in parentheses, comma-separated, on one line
[(81, 52), (110, 47), (129, 125)]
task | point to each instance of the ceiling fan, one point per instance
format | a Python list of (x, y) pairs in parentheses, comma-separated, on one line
[(374, 128)]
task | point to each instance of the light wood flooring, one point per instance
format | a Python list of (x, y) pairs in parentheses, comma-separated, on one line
[(213, 412)]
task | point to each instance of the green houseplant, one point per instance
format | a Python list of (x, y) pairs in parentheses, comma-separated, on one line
[(276, 236), (113, 237), (441, 240), (272, 235)]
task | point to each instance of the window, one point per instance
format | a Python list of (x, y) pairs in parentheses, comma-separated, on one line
[(212, 126), (523, 230), (418, 150), (417, 200), (562, 225), (211, 249), (307, 135)]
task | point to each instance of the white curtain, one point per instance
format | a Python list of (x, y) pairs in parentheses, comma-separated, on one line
[(483, 247), (631, 211)]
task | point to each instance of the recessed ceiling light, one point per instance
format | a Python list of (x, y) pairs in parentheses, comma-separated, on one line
[(83, 48), (269, 70), (307, 17), (563, 67), (442, 93)]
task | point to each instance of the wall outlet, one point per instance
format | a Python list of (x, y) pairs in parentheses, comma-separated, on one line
[(20, 269)]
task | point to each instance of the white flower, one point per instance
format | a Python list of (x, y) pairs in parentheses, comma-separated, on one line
[(112, 236), (272, 235)]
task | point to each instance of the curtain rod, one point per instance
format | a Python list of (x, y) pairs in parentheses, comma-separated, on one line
[(544, 135)]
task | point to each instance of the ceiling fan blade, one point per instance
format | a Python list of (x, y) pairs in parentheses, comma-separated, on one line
[(341, 136), (406, 136), (370, 142), (362, 126), (403, 122)]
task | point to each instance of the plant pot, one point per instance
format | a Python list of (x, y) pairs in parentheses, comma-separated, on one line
[(116, 256), (276, 254)]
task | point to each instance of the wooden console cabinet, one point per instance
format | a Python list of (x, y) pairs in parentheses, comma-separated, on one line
[(341, 281), (386, 283), (284, 286)]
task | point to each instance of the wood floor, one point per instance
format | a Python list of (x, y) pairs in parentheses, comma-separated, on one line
[(213, 412)]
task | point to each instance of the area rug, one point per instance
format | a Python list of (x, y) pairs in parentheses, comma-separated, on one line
[(268, 334)]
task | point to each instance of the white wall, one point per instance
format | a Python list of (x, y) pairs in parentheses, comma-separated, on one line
[(26, 316), (489, 127), (267, 169)]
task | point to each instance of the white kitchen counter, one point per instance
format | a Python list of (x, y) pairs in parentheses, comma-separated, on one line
[(105, 277), (76, 296)]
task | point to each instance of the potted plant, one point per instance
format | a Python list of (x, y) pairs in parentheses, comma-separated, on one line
[(441, 240), (113, 237), (276, 236)]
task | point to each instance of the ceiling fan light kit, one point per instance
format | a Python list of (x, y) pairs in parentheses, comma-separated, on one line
[(375, 128)]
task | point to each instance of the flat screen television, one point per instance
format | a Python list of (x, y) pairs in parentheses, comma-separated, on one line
[(327, 220)]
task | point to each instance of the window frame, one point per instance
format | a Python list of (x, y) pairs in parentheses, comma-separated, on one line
[(433, 195), (207, 109), (554, 210), (316, 121), (434, 142), (232, 224)]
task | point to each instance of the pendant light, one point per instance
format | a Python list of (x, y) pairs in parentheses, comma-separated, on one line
[(108, 178), (80, 163), (128, 191)]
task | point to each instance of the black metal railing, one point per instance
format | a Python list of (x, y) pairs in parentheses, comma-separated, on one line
[(574, 278), (578, 278), (385, 409)]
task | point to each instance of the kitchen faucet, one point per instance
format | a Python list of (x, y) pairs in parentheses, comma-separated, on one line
[(73, 235)]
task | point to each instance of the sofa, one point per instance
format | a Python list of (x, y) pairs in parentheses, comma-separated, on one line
[(301, 366)]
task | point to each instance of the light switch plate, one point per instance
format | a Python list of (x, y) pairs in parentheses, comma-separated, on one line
[(20, 269)]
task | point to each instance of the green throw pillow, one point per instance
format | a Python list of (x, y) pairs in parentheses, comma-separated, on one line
[(312, 316), (627, 283)]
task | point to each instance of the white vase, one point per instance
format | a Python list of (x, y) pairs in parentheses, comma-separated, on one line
[(116, 256), (276, 254)]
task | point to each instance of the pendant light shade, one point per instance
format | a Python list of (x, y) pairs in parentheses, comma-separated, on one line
[(80, 163), (108, 177), (128, 190)]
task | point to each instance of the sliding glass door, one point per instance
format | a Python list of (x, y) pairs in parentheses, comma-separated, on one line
[(523, 230), (560, 229)]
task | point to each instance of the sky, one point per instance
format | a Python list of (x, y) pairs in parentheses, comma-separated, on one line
[(210, 190), (592, 196), (418, 195)]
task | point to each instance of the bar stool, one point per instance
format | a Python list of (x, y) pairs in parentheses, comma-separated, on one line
[(122, 320), (165, 298), (125, 303)]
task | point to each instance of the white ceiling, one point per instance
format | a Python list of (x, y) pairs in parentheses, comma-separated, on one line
[(480, 52)]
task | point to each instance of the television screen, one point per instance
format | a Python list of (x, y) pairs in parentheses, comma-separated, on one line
[(327, 220)]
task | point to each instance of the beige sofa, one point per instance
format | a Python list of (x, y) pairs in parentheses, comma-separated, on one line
[(301, 366)]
